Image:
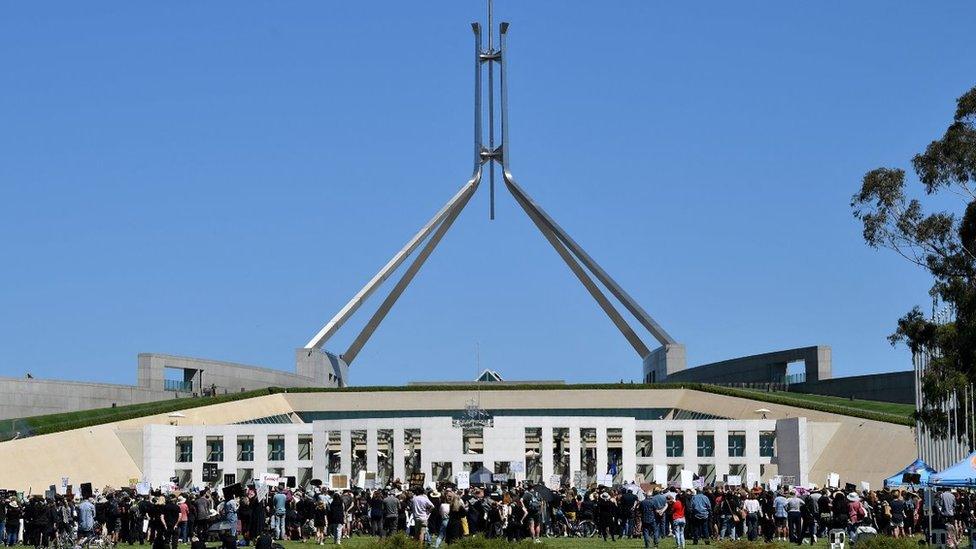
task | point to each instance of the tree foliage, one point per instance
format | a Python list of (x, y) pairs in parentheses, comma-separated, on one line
[(942, 242)]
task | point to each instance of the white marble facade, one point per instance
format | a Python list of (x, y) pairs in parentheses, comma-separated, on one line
[(503, 443)]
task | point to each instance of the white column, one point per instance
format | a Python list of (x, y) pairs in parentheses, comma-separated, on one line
[(291, 453), (690, 432), (721, 433), (372, 447), (601, 450), (320, 451), (399, 466), (345, 454), (546, 447), (574, 451), (629, 450), (260, 452)]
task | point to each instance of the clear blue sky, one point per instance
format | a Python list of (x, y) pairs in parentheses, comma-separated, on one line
[(216, 179)]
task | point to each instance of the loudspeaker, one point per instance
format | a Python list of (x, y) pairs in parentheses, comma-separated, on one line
[(911, 478)]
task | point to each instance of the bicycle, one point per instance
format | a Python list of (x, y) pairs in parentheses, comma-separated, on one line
[(581, 529)]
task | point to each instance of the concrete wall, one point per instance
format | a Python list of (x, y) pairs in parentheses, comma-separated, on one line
[(762, 368), (889, 387), (30, 397)]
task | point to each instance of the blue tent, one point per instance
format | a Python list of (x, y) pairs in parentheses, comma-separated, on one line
[(961, 474), (918, 467)]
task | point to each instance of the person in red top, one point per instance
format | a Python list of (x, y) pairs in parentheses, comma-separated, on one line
[(678, 519)]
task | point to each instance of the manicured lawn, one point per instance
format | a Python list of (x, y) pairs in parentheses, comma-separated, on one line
[(362, 542), (893, 408)]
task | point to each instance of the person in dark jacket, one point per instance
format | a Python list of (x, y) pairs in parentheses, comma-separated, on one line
[(607, 517)]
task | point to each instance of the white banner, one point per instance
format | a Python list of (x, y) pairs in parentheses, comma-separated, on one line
[(661, 474), (463, 480)]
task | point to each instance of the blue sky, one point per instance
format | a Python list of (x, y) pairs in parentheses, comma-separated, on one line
[(216, 179)]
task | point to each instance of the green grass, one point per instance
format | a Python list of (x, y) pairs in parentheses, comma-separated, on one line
[(52, 423), (893, 408), (363, 542)]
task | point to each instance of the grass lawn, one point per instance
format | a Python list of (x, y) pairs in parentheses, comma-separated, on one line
[(893, 408), (52, 423), (362, 542)]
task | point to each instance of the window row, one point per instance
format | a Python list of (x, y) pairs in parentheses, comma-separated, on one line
[(245, 448)]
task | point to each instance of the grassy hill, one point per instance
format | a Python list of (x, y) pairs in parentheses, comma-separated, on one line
[(38, 425)]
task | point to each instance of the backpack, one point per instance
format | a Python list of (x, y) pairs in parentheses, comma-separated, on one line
[(534, 504)]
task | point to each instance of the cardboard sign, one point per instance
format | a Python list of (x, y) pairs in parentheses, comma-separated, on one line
[(579, 480), (733, 480), (463, 480), (339, 482), (417, 481), (687, 479), (500, 478), (143, 488), (210, 473), (555, 482), (865, 486), (516, 467), (661, 474), (604, 480), (270, 479), (833, 480), (751, 479), (773, 483), (370, 481), (64, 482)]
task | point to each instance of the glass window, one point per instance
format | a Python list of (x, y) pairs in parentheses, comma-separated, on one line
[(675, 443), (245, 449), (442, 471), (358, 453), (645, 444), (384, 453), (276, 448), (334, 446), (706, 444), (215, 448), (615, 454), (767, 444), (674, 473), (184, 478), (737, 444), (472, 440), (645, 471), (560, 454), (244, 476), (184, 450), (412, 450), (706, 472), (533, 454), (305, 447), (588, 453), (304, 477)]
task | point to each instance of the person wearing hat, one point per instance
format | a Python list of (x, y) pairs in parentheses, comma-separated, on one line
[(12, 521), (606, 516), (855, 512)]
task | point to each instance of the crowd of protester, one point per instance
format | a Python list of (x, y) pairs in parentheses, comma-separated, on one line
[(321, 515)]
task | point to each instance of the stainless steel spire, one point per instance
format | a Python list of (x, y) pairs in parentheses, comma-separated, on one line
[(579, 262)]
